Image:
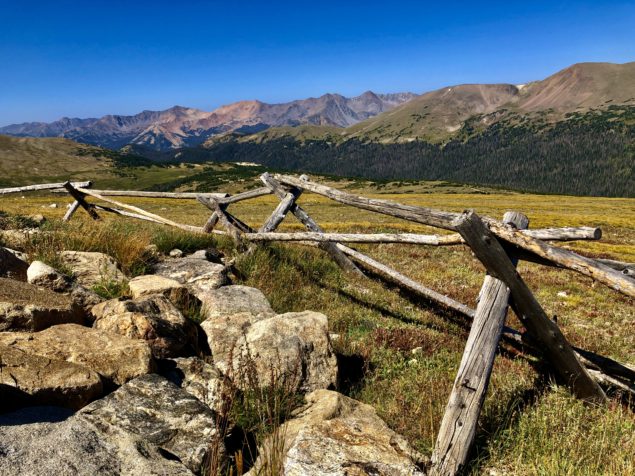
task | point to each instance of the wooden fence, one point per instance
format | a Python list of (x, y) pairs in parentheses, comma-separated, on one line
[(498, 244)]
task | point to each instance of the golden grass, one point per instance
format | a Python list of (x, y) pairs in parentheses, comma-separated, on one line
[(527, 427)]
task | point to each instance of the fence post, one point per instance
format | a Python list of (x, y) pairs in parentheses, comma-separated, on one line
[(458, 426)]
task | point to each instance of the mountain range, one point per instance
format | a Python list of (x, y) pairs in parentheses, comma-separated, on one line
[(572, 132), (186, 127)]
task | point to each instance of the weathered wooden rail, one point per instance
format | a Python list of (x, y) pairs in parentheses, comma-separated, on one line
[(497, 244)]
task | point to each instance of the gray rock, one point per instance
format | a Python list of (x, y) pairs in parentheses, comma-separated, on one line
[(85, 299), (151, 318), (295, 345), (42, 275), (12, 266), (17, 238), (29, 379), (196, 377), (176, 253), (198, 275), (209, 254), (333, 435), (117, 359), (236, 299), (151, 284), (229, 311), (25, 307), (92, 268), (160, 413), (44, 442)]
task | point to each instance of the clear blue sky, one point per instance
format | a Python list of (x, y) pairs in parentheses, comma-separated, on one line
[(90, 58)]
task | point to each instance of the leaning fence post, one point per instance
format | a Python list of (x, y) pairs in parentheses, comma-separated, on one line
[(74, 206), (340, 258), (458, 426), (555, 346), (80, 200)]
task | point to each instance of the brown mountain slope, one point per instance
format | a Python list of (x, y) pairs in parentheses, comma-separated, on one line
[(437, 115), (582, 86)]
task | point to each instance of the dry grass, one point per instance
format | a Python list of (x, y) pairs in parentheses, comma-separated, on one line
[(528, 426)]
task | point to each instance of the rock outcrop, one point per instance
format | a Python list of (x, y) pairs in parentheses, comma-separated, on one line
[(151, 318), (295, 344), (11, 266), (46, 441), (30, 379), (42, 275), (150, 284), (196, 377), (25, 307), (336, 435), (92, 268), (115, 358), (229, 311), (160, 413), (199, 275)]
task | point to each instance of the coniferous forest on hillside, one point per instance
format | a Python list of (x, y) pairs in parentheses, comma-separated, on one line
[(589, 153)]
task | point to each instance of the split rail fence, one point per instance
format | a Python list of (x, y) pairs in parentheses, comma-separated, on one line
[(498, 244)]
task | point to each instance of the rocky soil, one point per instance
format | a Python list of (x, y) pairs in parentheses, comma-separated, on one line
[(134, 386)]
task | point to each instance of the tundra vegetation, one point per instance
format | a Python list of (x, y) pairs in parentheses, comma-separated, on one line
[(396, 352)]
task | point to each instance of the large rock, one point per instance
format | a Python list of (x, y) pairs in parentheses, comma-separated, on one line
[(17, 238), (44, 441), (151, 284), (116, 358), (151, 318), (294, 345), (92, 268), (199, 275), (25, 307), (28, 379), (337, 436), (196, 377), (229, 311), (161, 413), (42, 275), (11, 266), (85, 299), (236, 299)]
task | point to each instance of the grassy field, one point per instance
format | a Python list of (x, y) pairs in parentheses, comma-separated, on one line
[(530, 425)]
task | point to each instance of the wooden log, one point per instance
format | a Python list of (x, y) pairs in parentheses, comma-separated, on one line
[(555, 347), (79, 197), (43, 186), (407, 238), (257, 192), (570, 233), (340, 258), (210, 223), (426, 216), (627, 269), (142, 212), (407, 283), (566, 259), (71, 210), (448, 220), (124, 213), (286, 203), (459, 423), (227, 223), (148, 194)]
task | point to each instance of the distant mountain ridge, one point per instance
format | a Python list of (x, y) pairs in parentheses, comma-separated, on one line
[(185, 127)]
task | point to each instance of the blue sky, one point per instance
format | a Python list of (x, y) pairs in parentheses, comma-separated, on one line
[(90, 58)]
